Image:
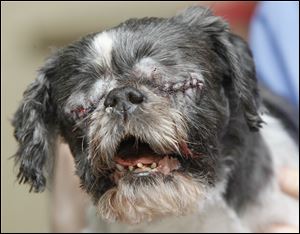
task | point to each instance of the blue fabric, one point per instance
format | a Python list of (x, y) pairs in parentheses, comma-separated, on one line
[(274, 40)]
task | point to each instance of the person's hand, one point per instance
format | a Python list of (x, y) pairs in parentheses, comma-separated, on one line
[(289, 183)]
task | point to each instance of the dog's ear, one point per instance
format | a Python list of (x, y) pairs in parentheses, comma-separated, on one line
[(241, 78), (234, 56), (202, 20), (34, 131)]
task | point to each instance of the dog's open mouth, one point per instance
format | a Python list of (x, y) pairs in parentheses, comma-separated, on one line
[(137, 158)]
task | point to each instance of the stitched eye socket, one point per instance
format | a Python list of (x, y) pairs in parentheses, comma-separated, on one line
[(80, 111)]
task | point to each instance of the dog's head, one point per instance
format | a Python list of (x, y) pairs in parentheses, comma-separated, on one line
[(145, 108)]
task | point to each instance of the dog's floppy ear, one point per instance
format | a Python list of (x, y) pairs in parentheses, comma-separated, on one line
[(33, 123), (233, 54), (241, 77)]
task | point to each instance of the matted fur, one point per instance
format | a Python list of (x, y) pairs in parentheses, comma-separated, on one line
[(176, 195)]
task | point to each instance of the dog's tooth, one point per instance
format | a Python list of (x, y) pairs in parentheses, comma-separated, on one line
[(140, 165), (153, 165), (130, 168), (120, 167)]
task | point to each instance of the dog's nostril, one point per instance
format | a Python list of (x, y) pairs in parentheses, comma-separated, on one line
[(110, 101), (135, 97)]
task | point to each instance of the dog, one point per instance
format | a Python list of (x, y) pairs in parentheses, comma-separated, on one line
[(163, 119)]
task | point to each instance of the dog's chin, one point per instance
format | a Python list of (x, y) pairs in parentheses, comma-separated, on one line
[(144, 198), (148, 186)]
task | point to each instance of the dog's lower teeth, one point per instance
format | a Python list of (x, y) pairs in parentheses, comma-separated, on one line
[(141, 170), (130, 168)]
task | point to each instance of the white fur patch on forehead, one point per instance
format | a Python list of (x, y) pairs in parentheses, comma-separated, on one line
[(102, 45)]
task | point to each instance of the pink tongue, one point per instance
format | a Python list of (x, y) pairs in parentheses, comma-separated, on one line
[(145, 159)]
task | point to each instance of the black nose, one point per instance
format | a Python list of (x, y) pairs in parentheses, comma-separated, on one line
[(124, 99)]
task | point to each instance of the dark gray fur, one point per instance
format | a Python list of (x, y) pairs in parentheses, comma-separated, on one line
[(223, 121)]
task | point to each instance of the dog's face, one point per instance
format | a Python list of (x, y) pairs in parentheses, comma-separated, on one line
[(144, 108)]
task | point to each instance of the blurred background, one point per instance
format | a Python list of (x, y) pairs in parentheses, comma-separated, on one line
[(29, 31)]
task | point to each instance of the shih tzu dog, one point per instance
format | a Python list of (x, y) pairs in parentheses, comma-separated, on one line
[(162, 118)]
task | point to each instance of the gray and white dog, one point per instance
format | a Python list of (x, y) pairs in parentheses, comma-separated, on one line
[(161, 116)]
